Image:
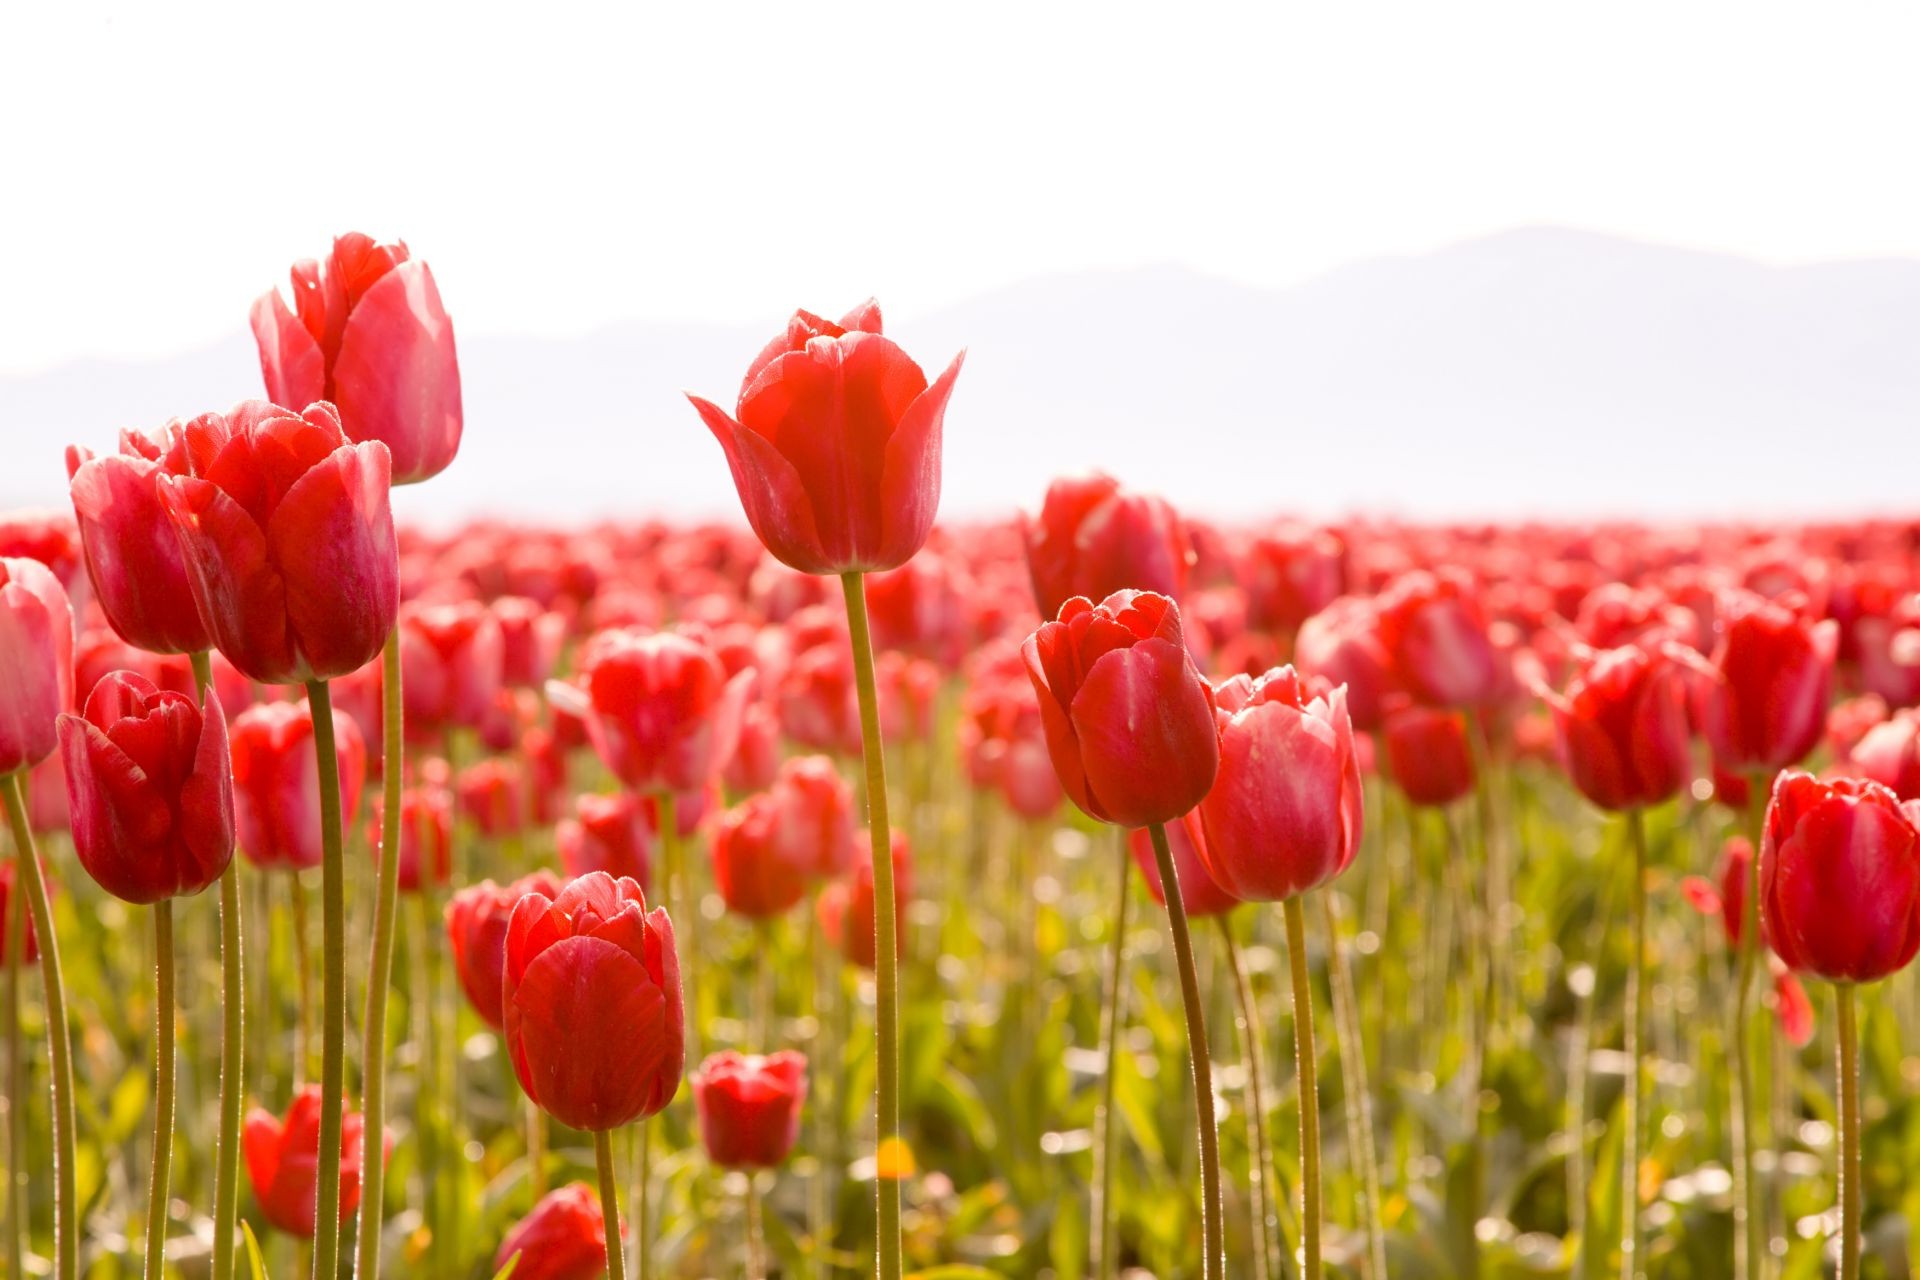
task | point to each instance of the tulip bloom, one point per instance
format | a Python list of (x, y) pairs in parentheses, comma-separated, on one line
[(835, 445), (368, 332), (1427, 754), (451, 657), (138, 569), (1284, 813), (32, 949), (1341, 645), (276, 786), (36, 662), (283, 1161), (758, 874), (1889, 753), (749, 1107), (149, 789), (1200, 893), (564, 1237), (1093, 538), (592, 1003), (1622, 726), (816, 811), (1292, 575), (1129, 721), (426, 836), (1840, 878), (610, 833), (756, 757), (477, 933), (845, 907), (1435, 633), (1764, 704), (530, 640), (659, 707), (288, 539), (493, 796)]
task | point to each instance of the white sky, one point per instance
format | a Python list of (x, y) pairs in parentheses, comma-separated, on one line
[(727, 162)]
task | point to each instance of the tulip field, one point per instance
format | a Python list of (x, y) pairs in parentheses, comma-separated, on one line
[(1106, 891)]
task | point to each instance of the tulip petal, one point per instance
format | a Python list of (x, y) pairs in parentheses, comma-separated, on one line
[(332, 538), (242, 599), (588, 1026), (1149, 757), (291, 362), (397, 376), (31, 694), (910, 483), (776, 503), (206, 798)]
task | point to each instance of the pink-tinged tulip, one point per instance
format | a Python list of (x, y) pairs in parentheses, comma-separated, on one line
[(276, 787), (1622, 725), (835, 445), (288, 539), (759, 874), (32, 947), (816, 815), (659, 707), (1292, 575), (1889, 753), (756, 757), (530, 640), (1435, 634), (451, 657), (283, 1157), (1200, 893), (1427, 754), (919, 609), (1284, 813), (1763, 704), (1341, 645), (592, 1003), (493, 796), (1129, 720), (149, 788), (1840, 878), (845, 906), (368, 332), (819, 705), (36, 662), (610, 833), (135, 561), (563, 1238), (1092, 538), (749, 1107), (477, 934), (1888, 648), (1850, 720), (426, 836)]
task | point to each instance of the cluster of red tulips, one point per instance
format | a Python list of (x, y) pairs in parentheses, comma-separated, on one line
[(230, 642)]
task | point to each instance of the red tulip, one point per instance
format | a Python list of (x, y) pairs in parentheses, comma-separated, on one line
[(276, 787), (138, 569), (835, 446), (1428, 755), (1850, 720), (592, 1002), (283, 1159), (1093, 538), (1764, 703), (451, 658), (845, 906), (1622, 725), (288, 539), (610, 833), (1724, 897), (493, 796), (759, 874), (530, 640), (426, 836), (149, 789), (1791, 1006), (749, 1107), (819, 705), (1840, 878), (1129, 721), (756, 757), (1889, 753), (1435, 633), (564, 1237), (367, 331), (1292, 575), (816, 812), (477, 933), (1341, 645), (36, 662), (1200, 893), (659, 707), (32, 948)]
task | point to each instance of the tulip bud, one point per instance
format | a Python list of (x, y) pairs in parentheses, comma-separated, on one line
[(276, 786), (749, 1107), (1428, 755), (1840, 878), (564, 1237), (610, 833), (1764, 702), (1435, 633), (1093, 538), (282, 1161), (659, 707), (1622, 726), (137, 567), (477, 935)]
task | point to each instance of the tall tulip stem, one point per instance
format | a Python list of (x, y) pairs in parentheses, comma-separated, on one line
[(610, 1206), (1635, 1037), (1353, 1066), (16, 1084), (333, 1002), (642, 1236), (886, 956), (160, 1171), (373, 1023), (1748, 1247), (1847, 1031), (1261, 1183), (1212, 1230), (66, 1207), (1112, 1019), (1307, 1070), (226, 1177)]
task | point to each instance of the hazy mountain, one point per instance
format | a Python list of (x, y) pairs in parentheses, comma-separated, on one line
[(1538, 371)]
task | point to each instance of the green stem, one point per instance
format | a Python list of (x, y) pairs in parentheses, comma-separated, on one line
[(426, 1098), (66, 1205), (373, 1023), (674, 896), (1848, 1033), (1260, 1182), (886, 951), (763, 998), (1213, 1260), (333, 995), (16, 1081), (161, 1170), (1749, 1250), (1306, 1069), (756, 1248), (1353, 1066), (226, 1178), (642, 1170), (610, 1207), (1636, 1028), (1113, 1021), (536, 1151), (303, 976)]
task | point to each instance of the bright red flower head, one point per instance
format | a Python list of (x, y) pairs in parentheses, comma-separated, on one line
[(426, 835), (1284, 814), (835, 445), (283, 1161), (749, 1107), (1428, 755), (368, 332), (816, 815), (288, 539), (660, 708), (1434, 632), (564, 1237), (1291, 575), (1093, 538), (477, 934), (530, 640), (1622, 725), (134, 559), (149, 789), (32, 947), (1200, 893), (1840, 878), (451, 657), (1341, 645), (756, 757), (1889, 753), (610, 833), (36, 662), (493, 796), (845, 906), (1764, 704), (592, 1003), (276, 785), (1129, 720), (759, 873)]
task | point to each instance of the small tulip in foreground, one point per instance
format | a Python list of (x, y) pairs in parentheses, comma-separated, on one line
[(281, 1162), (749, 1107), (564, 1237)]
